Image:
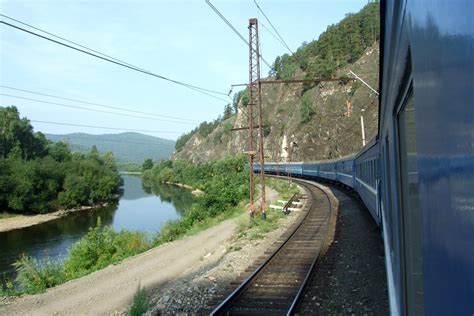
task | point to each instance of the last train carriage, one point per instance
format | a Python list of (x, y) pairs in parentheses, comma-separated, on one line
[(416, 177)]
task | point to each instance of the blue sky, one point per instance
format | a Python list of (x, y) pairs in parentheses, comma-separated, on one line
[(182, 40)]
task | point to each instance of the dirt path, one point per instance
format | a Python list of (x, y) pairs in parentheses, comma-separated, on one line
[(111, 290)]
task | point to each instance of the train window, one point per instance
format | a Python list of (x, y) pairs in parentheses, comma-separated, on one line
[(411, 213), (371, 172)]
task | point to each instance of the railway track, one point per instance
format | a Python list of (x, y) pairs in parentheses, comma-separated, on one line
[(278, 283)]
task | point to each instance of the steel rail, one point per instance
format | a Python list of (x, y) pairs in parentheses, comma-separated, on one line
[(299, 295), (227, 304)]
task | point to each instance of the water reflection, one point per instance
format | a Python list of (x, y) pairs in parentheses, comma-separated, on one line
[(180, 198), (139, 209)]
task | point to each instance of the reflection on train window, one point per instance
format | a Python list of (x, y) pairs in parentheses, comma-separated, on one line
[(412, 217)]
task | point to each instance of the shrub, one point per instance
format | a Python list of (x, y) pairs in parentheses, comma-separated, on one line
[(141, 302), (102, 246), (34, 277), (306, 109)]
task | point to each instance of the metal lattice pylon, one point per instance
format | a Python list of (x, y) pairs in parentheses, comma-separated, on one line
[(255, 115)]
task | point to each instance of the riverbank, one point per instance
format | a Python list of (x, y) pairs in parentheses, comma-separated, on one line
[(194, 191), (23, 221), (161, 271)]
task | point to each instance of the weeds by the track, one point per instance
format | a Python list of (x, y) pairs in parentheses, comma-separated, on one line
[(100, 247), (141, 302)]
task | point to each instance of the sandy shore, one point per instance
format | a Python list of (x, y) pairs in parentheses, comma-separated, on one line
[(22, 221)]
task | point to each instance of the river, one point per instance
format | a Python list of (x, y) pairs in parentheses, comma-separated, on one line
[(139, 209)]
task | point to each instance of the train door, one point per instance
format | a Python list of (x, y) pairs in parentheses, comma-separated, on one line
[(411, 216)]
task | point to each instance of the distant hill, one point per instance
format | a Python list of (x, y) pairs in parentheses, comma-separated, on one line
[(127, 147)]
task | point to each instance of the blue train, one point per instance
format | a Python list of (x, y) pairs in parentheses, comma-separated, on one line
[(417, 176)]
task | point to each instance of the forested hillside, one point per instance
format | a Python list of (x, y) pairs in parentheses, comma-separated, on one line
[(126, 147), (306, 121), (38, 176)]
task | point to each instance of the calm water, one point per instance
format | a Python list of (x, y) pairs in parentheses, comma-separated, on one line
[(139, 209)]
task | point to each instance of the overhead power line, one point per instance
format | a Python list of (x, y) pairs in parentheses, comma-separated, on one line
[(235, 30), (104, 127), (271, 24), (100, 105), (107, 58), (272, 34), (93, 110)]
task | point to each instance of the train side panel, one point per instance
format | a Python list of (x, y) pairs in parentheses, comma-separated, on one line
[(327, 171), (310, 170), (366, 178), (345, 171)]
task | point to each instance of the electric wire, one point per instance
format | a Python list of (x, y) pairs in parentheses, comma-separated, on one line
[(235, 30), (114, 60), (99, 105), (260, 9), (271, 33), (105, 127), (93, 110), (108, 56)]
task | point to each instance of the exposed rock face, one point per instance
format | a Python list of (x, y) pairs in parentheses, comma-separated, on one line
[(333, 130)]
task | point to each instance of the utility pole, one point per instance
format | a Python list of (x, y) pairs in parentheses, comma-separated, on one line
[(363, 130), (255, 105)]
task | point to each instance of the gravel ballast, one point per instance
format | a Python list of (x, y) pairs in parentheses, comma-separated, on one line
[(350, 279)]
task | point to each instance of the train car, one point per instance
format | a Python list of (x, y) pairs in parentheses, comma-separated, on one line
[(310, 170), (345, 169), (426, 133), (367, 177), (327, 170), (294, 168)]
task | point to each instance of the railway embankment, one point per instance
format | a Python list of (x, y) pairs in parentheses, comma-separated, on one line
[(350, 278)]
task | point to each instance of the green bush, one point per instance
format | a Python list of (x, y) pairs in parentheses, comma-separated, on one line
[(141, 302), (224, 182), (34, 277), (100, 247), (306, 108)]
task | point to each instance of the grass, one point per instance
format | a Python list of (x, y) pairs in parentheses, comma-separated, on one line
[(178, 229), (5, 215), (7, 287), (100, 247), (284, 188), (256, 228), (141, 302)]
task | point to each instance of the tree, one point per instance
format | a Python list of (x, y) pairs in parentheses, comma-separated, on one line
[(60, 151), (94, 153), (306, 109), (227, 111), (18, 132), (37, 176), (147, 164)]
